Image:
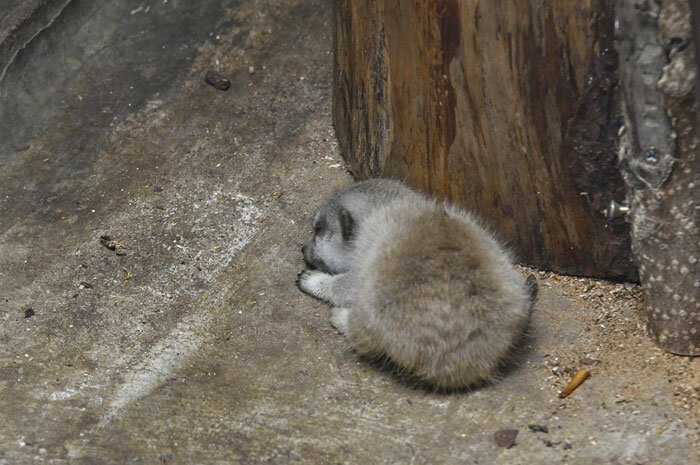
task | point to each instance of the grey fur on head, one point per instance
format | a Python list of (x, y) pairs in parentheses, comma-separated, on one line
[(417, 281)]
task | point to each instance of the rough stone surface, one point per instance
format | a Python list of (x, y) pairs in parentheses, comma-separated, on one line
[(186, 340), (20, 21)]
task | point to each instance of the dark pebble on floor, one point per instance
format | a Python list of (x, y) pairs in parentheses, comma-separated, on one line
[(535, 428), (505, 437), (217, 80)]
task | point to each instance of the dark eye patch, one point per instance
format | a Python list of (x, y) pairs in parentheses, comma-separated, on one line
[(320, 226)]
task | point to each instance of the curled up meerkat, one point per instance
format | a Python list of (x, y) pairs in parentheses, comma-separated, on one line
[(417, 281)]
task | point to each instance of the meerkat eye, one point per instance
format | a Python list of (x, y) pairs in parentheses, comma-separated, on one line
[(347, 225), (319, 227)]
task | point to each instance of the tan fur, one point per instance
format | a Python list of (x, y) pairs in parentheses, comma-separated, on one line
[(431, 290)]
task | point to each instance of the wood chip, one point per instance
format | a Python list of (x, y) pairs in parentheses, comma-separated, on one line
[(575, 382), (113, 245)]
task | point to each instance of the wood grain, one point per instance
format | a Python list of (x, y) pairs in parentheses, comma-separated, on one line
[(506, 108)]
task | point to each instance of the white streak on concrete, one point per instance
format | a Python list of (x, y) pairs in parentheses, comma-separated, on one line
[(168, 354), (63, 395), (163, 358)]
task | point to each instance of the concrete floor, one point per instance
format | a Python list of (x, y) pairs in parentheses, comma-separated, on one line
[(191, 344)]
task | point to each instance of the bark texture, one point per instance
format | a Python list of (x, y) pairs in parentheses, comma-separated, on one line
[(507, 108), (660, 164)]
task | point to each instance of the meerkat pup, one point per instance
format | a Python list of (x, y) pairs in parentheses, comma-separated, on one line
[(417, 281)]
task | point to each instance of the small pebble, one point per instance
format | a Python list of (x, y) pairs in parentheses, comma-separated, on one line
[(28, 313), (589, 361), (505, 437), (535, 428), (217, 80)]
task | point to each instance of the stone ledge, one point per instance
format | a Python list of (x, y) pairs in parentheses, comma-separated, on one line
[(20, 22)]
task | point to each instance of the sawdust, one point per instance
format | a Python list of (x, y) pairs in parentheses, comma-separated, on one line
[(615, 339)]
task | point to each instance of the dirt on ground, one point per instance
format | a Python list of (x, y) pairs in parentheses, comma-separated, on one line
[(150, 234), (614, 321)]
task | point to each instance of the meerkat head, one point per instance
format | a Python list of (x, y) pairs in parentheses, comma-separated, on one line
[(331, 244), (337, 222)]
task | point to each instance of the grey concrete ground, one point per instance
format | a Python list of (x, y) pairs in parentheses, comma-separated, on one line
[(190, 344)]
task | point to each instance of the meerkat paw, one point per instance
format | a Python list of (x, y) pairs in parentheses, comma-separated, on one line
[(339, 319), (312, 282)]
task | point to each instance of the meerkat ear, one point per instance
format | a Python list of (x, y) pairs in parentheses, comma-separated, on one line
[(347, 224)]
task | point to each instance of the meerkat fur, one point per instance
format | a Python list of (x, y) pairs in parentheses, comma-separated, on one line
[(417, 281)]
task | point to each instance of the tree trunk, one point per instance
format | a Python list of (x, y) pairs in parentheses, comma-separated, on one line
[(507, 108), (661, 164)]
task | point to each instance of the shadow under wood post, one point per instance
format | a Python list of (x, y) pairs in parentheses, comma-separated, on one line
[(660, 162)]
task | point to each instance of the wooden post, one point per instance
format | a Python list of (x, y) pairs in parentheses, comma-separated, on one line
[(507, 108), (660, 161)]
